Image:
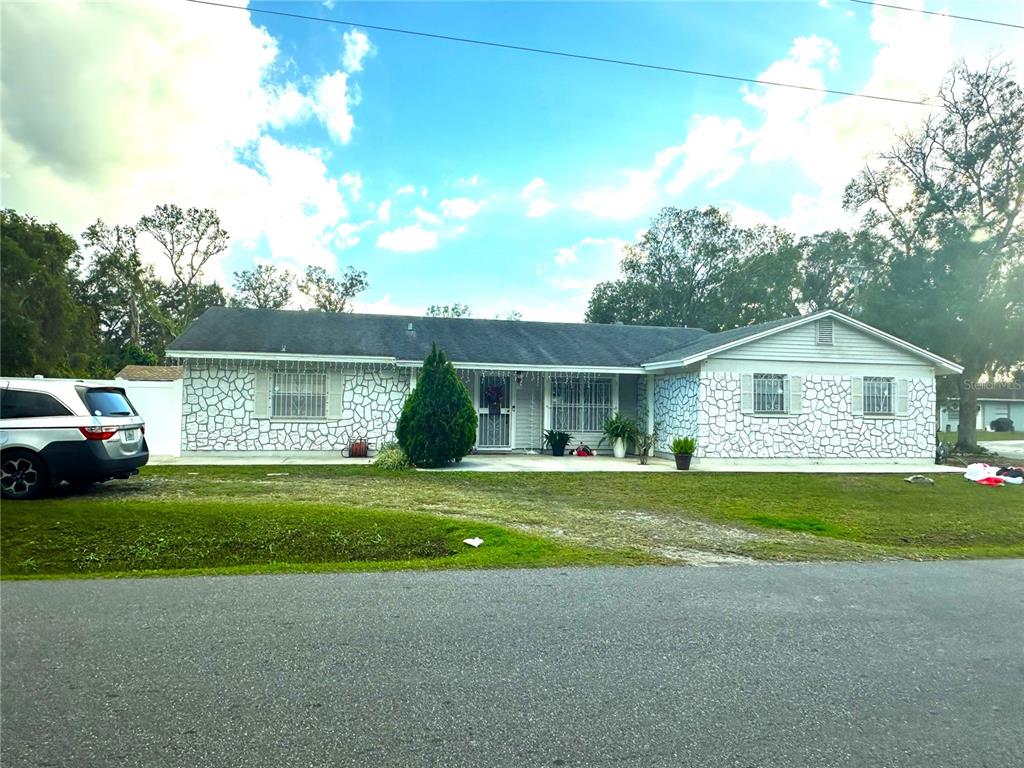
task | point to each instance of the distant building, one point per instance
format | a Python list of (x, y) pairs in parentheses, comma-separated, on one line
[(996, 400)]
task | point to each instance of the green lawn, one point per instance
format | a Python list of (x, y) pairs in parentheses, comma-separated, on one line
[(246, 519), (984, 437), (85, 535)]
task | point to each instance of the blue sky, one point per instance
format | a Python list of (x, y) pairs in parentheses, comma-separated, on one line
[(455, 173)]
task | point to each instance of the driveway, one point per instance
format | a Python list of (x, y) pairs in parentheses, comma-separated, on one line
[(1011, 449), (886, 664)]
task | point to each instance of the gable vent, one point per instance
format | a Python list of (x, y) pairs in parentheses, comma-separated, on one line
[(825, 330)]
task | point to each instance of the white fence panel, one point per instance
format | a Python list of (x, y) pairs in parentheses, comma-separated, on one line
[(159, 403)]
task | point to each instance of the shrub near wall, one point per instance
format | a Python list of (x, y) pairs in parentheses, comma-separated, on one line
[(438, 421)]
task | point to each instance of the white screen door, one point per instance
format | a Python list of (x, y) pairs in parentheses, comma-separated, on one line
[(494, 410)]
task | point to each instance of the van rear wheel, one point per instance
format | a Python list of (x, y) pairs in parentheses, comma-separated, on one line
[(23, 475)]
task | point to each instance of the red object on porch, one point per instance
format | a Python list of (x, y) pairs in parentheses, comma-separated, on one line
[(358, 449)]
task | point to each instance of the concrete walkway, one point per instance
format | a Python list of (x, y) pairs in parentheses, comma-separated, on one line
[(521, 462)]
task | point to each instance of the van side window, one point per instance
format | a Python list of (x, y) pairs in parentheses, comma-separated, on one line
[(15, 404)]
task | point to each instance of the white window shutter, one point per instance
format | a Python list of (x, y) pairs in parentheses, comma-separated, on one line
[(857, 395), (260, 396), (747, 393), (796, 394), (902, 397), (335, 394)]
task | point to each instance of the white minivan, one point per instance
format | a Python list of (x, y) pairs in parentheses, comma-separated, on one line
[(54, 430)]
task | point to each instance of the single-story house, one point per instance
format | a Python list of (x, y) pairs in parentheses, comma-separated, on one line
[(996, 400), (821, 387)]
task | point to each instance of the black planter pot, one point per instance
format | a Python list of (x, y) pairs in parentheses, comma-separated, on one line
[(683, 460), (558, 450)]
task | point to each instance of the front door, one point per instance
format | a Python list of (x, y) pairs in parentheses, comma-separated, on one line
[(494, 411)]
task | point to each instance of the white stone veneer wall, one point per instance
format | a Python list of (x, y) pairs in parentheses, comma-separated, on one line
[(217, 412), (827, 427), (675, 408)]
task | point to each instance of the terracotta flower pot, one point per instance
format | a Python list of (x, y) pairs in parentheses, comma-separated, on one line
[(683, 460)]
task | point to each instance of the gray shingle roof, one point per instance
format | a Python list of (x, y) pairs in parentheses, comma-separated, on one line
[(712, 340), (150, 373), (509, 342)]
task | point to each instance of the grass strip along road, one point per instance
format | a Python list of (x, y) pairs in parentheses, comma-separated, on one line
[(266, 519)]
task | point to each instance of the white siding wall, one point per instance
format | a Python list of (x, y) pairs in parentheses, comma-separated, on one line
[(799, 344)]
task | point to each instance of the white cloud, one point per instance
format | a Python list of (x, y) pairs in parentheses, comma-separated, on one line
[(408, 189), (712, 151), (411, 239), (146, 106), (426, 217), (387, 306), (636, 197), (538, 203), (354, 183), (536, 185), (331, 104), (286, 105), (539, 207), (804, 135), (472, 181), (461, 208), (384, 211), (576, 269), (357, 48)]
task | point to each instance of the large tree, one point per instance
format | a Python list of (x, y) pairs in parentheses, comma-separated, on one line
[(263, 287), (331, 294), (449, 310), (697, 268), (44, 329), (946, 202), (188, 240)]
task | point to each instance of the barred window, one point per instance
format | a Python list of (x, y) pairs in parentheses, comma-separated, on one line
[(771, 393), (580, 405), (299, 395), (879, 395)]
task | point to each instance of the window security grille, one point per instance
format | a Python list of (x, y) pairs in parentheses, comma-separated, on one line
[(879, 395), (771, 392), (299, 395), (579, 405)]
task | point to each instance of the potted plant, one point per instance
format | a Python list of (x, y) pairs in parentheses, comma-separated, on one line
[(618, 429), (683, 448), (557, 440), (645, 442)]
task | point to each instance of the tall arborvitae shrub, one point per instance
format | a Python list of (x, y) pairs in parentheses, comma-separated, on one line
[(438, 421)]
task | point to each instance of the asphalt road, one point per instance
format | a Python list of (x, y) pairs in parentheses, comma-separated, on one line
[(894, 664)]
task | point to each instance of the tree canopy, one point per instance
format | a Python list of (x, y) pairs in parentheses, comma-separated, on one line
[(44, 328), (697, 268), (263, 287), (332, 294), (945, 204)]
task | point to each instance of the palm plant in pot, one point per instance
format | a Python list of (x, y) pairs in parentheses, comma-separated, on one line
[(645, 442), (557, 439), (683, 448), (618, 429)]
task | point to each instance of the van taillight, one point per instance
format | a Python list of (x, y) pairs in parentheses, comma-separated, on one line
[(98, 433)]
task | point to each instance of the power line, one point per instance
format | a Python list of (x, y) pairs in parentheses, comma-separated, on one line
[(563, 54), (940, 13)]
